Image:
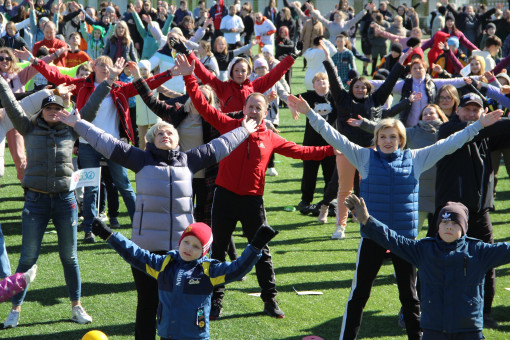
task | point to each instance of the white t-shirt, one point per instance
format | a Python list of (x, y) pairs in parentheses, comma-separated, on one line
[(107, 118)]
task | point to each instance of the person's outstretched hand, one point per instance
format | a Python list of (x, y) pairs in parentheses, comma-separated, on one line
[(263, 235), (100, 229), (179, 46), (298, 104), (182, 66), (134, 70), (117, 68), (487, 119), (68, 118), (358, 208)]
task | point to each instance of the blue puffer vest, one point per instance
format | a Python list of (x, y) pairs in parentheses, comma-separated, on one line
[(390, 191)]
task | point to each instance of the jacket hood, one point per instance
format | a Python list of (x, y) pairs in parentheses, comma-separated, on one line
[(235, 61)]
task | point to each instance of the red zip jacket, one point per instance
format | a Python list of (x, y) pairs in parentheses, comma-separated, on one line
[(244, 171), (120, 91), (232, 96)]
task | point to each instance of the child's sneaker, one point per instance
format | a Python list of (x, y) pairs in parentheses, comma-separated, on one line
[(271, 172), (323, 214), (12, 320), (216, 309), (80, 316), (339, 233)]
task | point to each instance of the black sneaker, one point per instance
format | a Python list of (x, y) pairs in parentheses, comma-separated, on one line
[(302, 205), (271, 308), (332, 210), (114, 223), (216, 309), (489, 322), (89, 238)]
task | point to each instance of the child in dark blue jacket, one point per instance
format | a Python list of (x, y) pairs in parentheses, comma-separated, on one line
[(186, 277), (452, 269)]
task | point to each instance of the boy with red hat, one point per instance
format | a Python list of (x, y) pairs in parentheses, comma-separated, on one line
[(186, 277)]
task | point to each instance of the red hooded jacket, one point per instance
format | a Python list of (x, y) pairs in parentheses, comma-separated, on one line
[(232, 96)]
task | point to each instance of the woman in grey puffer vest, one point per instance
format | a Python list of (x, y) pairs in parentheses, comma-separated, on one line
[(164, 204), (49, 145)]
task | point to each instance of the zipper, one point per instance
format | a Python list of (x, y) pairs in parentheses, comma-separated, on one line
[(171, 210), (141, 220), (465, 266)]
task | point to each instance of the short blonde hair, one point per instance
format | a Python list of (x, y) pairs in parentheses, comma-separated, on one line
[(151, 134), (320, 75), (391, 123)]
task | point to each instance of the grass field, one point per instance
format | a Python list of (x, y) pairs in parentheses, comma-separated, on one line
[(304, 255)]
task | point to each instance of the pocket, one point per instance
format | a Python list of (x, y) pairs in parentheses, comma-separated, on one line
[(32, 196), (141, 221)]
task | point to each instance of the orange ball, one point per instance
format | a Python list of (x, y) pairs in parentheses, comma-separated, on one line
[(95, 335)]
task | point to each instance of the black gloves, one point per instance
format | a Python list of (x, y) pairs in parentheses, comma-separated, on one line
[(179, 46), (100, 229), (263, 235)]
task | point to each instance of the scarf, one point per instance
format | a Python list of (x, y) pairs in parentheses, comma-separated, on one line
[(430, 126)]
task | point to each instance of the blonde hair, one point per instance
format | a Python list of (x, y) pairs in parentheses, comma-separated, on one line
[(481, 60), (208, 93), (104, 59), (320, 75), (151, 134), (225, 51), (126, 39), (206, 46), (13, 68), (391, 123)]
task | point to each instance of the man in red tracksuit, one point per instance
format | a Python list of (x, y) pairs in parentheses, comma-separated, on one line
[(240, 183)]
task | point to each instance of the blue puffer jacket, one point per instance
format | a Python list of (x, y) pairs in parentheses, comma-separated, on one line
[(185, 288), (391, 191), (452, 275)]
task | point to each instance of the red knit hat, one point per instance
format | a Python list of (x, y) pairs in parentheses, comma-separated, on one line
[(202, 232)]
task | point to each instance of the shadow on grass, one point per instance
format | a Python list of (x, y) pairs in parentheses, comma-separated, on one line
[(240, 316), (124, 329), (53, 295), (383, 326)]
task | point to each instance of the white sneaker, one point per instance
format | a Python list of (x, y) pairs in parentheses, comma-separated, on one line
[(12, 320), (80, 316), (339, 233), (271, 172), (323, 214)]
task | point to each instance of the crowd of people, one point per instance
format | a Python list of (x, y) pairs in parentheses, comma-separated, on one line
[(189, 100)]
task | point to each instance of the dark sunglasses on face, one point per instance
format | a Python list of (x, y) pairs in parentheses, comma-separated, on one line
[(5, 59)]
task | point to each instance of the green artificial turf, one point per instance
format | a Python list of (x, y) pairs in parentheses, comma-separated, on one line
[(304, 255)]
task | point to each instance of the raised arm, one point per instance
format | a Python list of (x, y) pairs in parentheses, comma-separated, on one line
[(243, 49), (265, 82), (357, 155), (427, 157), (18, 117)]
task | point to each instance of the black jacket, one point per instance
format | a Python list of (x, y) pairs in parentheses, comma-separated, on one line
[(467, 176), (349, 107)]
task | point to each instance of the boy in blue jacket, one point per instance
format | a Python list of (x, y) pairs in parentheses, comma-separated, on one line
[(452, 269), (186, 277)]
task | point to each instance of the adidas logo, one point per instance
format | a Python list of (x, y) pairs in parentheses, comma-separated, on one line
[(446, 216)]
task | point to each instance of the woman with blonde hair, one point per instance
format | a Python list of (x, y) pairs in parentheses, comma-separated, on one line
[(121, 44), (389, 185), (207, 56)]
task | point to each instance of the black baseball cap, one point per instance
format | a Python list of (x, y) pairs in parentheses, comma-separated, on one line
[(57, 100), (471, 98)]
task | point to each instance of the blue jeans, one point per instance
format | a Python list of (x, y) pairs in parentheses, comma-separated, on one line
[(5, 265), (62, 209), (89, 158)]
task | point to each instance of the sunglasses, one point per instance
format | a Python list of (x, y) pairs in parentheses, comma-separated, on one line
[(5, 59)]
